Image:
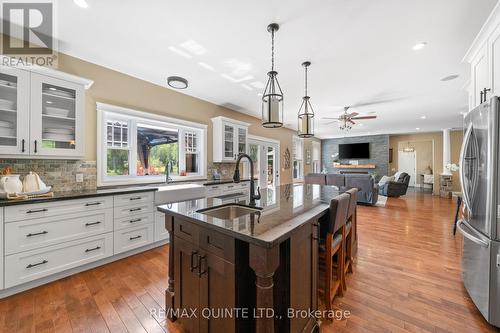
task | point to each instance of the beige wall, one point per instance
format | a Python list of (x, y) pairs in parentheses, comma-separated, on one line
[(119, 89), (419, 140), (436, 138)]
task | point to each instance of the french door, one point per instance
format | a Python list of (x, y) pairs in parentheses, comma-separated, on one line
[(266, 157)]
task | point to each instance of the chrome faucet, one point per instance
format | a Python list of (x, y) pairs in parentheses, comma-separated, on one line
[(168, 179), (236, 178)]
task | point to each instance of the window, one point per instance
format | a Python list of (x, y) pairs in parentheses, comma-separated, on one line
[(137, 147), (316, 157), (298, 165)]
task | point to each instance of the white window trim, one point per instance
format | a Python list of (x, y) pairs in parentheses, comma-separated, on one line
[(301, 143), (126, 114)]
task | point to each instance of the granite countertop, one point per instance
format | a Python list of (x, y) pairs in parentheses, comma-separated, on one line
[(223, 181), (79, 195), (283, 209)]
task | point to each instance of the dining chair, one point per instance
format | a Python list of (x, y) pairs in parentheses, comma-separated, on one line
[(332, 247), (351, 231)]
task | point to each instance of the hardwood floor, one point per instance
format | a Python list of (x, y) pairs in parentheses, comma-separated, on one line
[(406, 279)]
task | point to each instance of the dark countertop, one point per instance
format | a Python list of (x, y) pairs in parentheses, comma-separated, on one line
[(79, 195), (224, 181), (284, 209)]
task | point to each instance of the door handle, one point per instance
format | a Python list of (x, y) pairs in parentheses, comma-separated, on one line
[(92, 223), (22, 145), (136, 237), (463, 151), (37, 264), (193, 267), (36, 146), (93, 249), (92, 204), (201, 270), (476, 239)]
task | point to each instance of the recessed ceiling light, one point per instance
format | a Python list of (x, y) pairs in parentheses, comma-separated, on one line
[(177, 82), (423, 117), (418, 128), (81, 3), (419, 46), (450, 77)]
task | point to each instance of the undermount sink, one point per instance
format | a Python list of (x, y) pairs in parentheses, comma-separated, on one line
[(230, 211)]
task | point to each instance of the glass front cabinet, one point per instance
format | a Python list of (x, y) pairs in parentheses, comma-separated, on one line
[(42, 114), (229, 139)]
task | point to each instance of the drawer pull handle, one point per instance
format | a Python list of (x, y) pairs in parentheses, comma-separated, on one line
[(92, 204), (93, 249), (92, 223), (37, 264), (31, 211), (134, 209), (136, 220), (135, 198), (37, 233), (136, 237)]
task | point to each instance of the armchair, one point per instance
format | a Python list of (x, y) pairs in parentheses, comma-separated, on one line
[(397, 187)]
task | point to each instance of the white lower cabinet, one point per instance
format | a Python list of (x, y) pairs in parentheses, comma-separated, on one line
[(42, 239), (31, 234), (132, 238), (31, 265)]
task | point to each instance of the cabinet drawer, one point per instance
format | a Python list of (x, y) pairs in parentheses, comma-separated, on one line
[(33, 234), (160, 233), (134, 199), (213, 190), (32, 265), (218, 244), (128, 239), (134, 221), (186, 230), (133, 210), (53, 208)]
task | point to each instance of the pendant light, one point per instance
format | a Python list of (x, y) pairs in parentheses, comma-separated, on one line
[(306, 112), (409, 148), (272, 98)]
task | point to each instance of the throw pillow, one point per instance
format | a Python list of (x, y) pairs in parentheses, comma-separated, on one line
[(396, 175), (385, 179)]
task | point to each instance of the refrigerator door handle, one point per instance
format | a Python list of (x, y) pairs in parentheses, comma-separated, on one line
[(466, 234), (463, 151)]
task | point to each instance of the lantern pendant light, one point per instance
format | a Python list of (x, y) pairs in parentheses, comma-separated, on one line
[(306, 113), (272, 98)]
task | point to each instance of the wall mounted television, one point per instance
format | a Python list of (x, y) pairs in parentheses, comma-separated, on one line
[(354, 151)]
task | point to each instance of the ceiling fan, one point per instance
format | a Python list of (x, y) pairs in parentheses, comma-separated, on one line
[(346, 120)]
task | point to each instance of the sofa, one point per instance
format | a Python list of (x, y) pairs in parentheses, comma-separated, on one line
[(396, 188), (367, 188)]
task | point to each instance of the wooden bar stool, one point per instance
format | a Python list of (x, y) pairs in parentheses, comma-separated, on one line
[(351, 230), (333, 227)]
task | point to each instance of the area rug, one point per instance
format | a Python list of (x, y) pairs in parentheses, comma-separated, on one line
[(381, 201)]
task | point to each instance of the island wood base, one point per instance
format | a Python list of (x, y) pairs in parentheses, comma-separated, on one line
[(209, 269)]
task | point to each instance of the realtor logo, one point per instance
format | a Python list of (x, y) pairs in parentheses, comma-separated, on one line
[(28, 29)]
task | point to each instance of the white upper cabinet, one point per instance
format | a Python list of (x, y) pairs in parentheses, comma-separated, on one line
[(229, 139), (42, 113), (14, 111), (484, 59)]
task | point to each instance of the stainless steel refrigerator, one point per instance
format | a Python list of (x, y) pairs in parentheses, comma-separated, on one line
[(480, 225)]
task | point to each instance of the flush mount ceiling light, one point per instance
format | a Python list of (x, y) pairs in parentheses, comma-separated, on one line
[(177, 82), (81, 3), (419, 46), (306, 113), (272, 98)]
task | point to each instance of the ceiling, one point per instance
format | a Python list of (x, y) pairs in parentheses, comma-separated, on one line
[(361, 51)]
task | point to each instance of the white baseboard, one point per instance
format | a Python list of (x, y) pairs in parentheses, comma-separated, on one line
[(32, 284)]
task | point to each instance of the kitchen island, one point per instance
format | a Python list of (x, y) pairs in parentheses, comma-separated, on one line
[(237, 268)]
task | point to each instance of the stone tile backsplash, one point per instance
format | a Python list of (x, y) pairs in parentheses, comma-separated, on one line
[(60, 174), (226, 170)]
